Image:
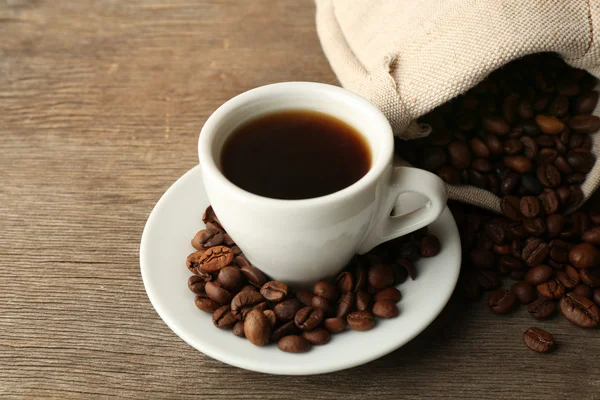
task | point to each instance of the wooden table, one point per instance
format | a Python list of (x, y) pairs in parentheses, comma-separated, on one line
[(101, 103)]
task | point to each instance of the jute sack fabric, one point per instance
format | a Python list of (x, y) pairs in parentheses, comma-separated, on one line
[(410, 56)]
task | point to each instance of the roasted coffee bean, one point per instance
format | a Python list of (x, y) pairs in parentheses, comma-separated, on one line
[(210, 217), (238, 329), (584, 255), (509, 107), (548, 175), (245, 301), (493, 184), (304, 296), (271, 317), (360, 320), (321, 303), (308, 318), (596, 297), (495, 232), (196, 284), (363, 301), (535, 252), (510, 206), (569, 277), (381, 276), (385, 309), (547, 155), (541, 308), (531, 184), (286, 310), (592, 236), (559, 145), (449, 174), (552, 289), (559, 106), (576, 141), (433, 159), (584, 290), (327, 290), (549, 125), (391, 294), (488, 280), (512, 147), (530, 147), (192, 261), (581, 160), (575, 178), (249, 288), (520, 164), (231, 279), (288, 328), (584, 123), (335, 325), (254, 275), (344, 282), (524, 292), (501, 301), (217, 293), (576, 195), (549, 201), (510, 183), (580, 311), (430, 246), (555, 224), (460, 155), (202, 239), (360, 277), (538, 340), (535, 226), (274, 291), (228, 241), (562, 165), (479, 148), (538, 275), (501, 250), (476, 178), (585, 103), (590, 276), (559, 251), (293, 344), (496, 124), (215, 258), (530, 206), (236, 251), (317, 336), (494, 144), (345, 305), (223, 318), (525, 109), (510, 262), (206, 304)]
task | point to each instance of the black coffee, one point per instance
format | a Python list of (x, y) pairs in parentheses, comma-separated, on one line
[(295, 154)]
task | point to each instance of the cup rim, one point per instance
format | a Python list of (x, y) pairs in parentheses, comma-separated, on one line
[(379, 163)]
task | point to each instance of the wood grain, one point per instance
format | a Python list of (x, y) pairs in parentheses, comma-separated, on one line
[(100, 106)]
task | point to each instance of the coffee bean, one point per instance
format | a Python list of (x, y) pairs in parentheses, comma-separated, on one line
[(525, 109), (274, 291), (217, 293), (555, 224), (238, 329), (548, 175), (204, 236), (479, 148), (538, 275), (231, 279), (501, 301), (488, 280), (345, 305), (206, 304), (317, 336), (535, 226), (327, 290), (254, 275), (547, 155), (576, 178), (510, 262), (286, 310), (223, 318), (381, 276), (308, 318), (581, 160), (196, 284), (494, 144), (495, 232), (584, 123), (430, 246), (585, 103), (530, 206), (524, 292), (530, 147), (519, 164), (590, 276), (559, 251), (562, 165), (360, 320), (433, 159), (215, 258), (596, 297), (592, 236), (449, 174), (569, 277), (538, 340), (541, 308), (210, 217), (460, 155), (584, 290), (288, 328), (584, 255), (293, 344), (245, 301), (559, 107), (249, 288), (549, 125), (391, 294), (512, 147), (545, 141), (580, 311), (385, 309), (335, 325), (344, 282), (304, 296), (535, 252), (510, 206), (531, 184), (576, 196), (510, 183), (502, 250), (549, 200), (321, 303), (552, 289)]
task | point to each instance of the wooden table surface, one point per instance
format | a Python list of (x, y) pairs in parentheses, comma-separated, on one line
[(101, 103)]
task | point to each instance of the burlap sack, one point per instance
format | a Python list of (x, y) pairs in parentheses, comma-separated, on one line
[(408, 57)]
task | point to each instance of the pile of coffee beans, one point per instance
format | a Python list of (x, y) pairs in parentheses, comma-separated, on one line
[(243, 299), (524, 135)]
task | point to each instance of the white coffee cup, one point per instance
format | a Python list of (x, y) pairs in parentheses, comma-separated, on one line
[(302, 241)]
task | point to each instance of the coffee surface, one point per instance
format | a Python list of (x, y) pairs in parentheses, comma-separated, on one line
[(295, 154)]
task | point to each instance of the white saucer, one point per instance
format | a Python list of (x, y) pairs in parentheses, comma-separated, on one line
[(166, 243)]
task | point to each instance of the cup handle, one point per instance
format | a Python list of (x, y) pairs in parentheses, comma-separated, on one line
[(384, 227)]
